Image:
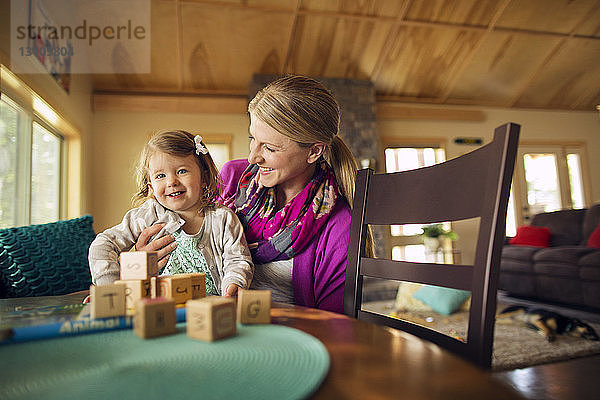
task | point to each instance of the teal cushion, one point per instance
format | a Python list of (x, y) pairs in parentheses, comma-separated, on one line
[(47, 259), (441, 299)]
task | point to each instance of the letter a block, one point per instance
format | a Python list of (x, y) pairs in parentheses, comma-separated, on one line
[(154, 317), (138, 264), (210, 318), (176, 287), (135, 289), (254, 306), (107, 301)]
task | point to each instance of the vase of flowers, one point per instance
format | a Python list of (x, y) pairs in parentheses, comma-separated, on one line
[(433, 236)]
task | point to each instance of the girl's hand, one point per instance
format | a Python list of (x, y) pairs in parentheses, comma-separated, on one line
[(163, 246), (232, 290)]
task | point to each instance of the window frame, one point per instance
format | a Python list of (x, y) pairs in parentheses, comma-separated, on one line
[(34, 109)]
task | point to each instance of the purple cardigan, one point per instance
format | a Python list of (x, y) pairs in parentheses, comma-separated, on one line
[(319, 271)]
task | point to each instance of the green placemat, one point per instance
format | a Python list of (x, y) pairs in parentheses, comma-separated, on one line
[(260, 362)]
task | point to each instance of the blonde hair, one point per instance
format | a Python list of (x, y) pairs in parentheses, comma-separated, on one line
[(302, 109), (180, 144)]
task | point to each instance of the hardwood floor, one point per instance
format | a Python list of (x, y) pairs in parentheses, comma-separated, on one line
[(574, 379), (577, 379)]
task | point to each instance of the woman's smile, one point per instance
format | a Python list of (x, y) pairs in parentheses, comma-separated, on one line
[(282, 162), (265, 170)]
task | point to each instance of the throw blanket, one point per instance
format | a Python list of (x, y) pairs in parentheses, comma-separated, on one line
[(279, 235)]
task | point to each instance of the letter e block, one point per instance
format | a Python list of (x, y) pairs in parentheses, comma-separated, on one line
[(107, 301), (176, 287), (198, 285), (210, 318), (154, 317), (254, 306), (135, 289), (138, 264)]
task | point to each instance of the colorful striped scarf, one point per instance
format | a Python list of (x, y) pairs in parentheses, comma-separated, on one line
[(280, 235)]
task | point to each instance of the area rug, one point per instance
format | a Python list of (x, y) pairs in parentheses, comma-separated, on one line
[(515, 346)]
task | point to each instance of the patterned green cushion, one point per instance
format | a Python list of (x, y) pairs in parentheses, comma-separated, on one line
[(44, 260)]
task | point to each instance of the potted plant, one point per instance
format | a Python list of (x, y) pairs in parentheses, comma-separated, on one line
[(433, 235)]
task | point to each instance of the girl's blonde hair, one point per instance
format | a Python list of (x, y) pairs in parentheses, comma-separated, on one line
[(302, 109), (180, 144)]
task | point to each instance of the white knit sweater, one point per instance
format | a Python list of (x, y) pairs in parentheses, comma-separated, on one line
[(223, 246)]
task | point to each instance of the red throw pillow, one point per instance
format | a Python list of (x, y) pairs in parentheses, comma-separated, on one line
[(594, 240), (527, 235)]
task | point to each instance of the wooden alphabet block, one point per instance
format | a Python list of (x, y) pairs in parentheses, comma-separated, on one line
[(138, 264), (154, 317), (107, 301), (210, 318), (198, 285), (154, 286), (176, 287), (135, 289), (254, 306)]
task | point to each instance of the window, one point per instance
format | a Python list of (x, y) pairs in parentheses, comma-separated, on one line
[(219, 146), (45, 175), (404, 241), (31, 165)]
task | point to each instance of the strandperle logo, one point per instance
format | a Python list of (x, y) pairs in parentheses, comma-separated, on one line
[(84, 36), (88, 33)]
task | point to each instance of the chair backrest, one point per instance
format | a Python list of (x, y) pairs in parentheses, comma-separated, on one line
[(474, 185)]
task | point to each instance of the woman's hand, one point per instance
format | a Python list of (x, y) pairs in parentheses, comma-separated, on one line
[(162, 246), (232, 290)]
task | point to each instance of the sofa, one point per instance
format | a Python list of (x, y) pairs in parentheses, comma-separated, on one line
[(555, 259)]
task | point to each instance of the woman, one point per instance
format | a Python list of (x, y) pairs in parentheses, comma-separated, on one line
[(293, 194)]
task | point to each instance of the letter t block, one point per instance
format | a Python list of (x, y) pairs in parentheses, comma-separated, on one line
[(107, 300)]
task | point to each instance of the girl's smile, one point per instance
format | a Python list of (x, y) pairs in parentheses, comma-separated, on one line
[(176, 183)]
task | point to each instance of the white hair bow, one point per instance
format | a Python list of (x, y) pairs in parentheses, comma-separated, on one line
[(200, 148)]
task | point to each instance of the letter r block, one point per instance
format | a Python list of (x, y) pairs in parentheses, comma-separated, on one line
[(254, 306), (210, 318), (154, 317), (135, 289), (107, 301), (138, 264)]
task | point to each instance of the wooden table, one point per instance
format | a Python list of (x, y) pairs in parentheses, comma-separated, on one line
[(367, 361), (373, 362)]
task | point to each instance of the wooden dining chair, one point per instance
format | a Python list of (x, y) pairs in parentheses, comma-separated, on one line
[(474, 185)]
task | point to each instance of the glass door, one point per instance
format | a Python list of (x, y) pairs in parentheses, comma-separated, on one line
[(547, 178)]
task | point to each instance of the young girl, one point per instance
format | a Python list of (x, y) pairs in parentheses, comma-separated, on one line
[(177, 183)]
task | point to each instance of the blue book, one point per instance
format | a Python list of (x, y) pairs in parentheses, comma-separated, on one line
[(46, 322)]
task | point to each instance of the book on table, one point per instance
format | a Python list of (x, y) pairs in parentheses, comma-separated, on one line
[(33, 318)]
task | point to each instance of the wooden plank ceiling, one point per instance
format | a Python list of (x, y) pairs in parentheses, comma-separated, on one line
[(541, 54)]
